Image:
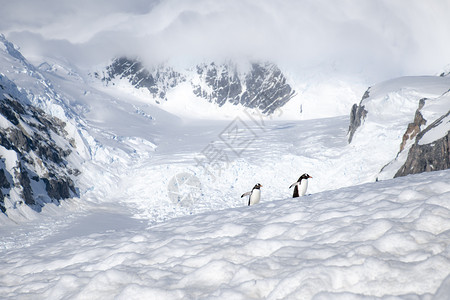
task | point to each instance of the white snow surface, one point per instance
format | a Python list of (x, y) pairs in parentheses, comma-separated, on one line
[(377, 240), (128, 237), (437, 132), (433, 110)]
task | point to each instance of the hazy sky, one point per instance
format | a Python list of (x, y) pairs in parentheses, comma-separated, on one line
[(385, 37)]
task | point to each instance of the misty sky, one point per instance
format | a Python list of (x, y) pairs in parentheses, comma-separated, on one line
[(385, 38)]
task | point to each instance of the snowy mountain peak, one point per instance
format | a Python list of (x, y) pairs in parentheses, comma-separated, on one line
[(13, 51), (35, 88), (262, 86), (157, 80)]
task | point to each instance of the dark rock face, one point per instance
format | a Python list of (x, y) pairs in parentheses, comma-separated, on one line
[(224, 84), (157, 81), (357, 116), (37, 163), (428, 157), (414, 127), (59, 188), (4, 184), (263, 86)]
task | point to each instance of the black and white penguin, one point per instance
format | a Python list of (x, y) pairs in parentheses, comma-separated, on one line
[(300, 186), (255, 194)]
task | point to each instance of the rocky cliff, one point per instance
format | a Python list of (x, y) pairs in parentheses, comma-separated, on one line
[(357, 116), (33, 154), (429, 153), (409, 117), (37, 154), (157, 80), (261, 86)]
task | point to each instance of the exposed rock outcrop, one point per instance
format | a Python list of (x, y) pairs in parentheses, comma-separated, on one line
[(393, 115), (357, 116), (158, 80), (428, 157), (263, 86), (414, 127), (33, 153)]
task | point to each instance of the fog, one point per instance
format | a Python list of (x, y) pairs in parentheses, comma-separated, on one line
[(382, 38)]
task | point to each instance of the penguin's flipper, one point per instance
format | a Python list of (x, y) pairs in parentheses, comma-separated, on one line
[(293, 184), (246, 194), (296, 194)]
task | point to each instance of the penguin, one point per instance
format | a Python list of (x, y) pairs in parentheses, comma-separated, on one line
[(255, 195), (300, 186)]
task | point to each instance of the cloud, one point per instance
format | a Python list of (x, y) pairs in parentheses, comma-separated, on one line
[(385, 37)]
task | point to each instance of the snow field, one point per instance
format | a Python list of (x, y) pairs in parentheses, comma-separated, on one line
[(381, 239), (388, 239), (278, 153)]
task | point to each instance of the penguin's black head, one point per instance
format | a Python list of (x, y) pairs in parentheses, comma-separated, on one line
[(257, 186), (304, 176)]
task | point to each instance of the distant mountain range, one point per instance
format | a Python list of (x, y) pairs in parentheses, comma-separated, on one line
[(261, 86)]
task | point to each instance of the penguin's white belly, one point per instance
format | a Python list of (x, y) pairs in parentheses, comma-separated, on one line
[(302, 188), (255, 196)]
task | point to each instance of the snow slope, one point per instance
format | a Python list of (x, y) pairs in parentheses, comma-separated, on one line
[(391, 106), (137, 150), (136, 232), (381, 239)]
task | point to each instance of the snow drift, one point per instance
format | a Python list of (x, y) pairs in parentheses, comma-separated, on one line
[(377, 240)]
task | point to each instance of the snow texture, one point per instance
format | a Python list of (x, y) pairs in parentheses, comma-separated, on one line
[(127, 238), (380, 239)]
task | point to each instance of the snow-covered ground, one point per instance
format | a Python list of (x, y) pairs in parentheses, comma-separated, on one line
[(383, 239), (160, 214), (126, 238)]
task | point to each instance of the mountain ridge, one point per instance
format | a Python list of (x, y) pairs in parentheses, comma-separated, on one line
[(41, 147), (34, 151), (262, 86)]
